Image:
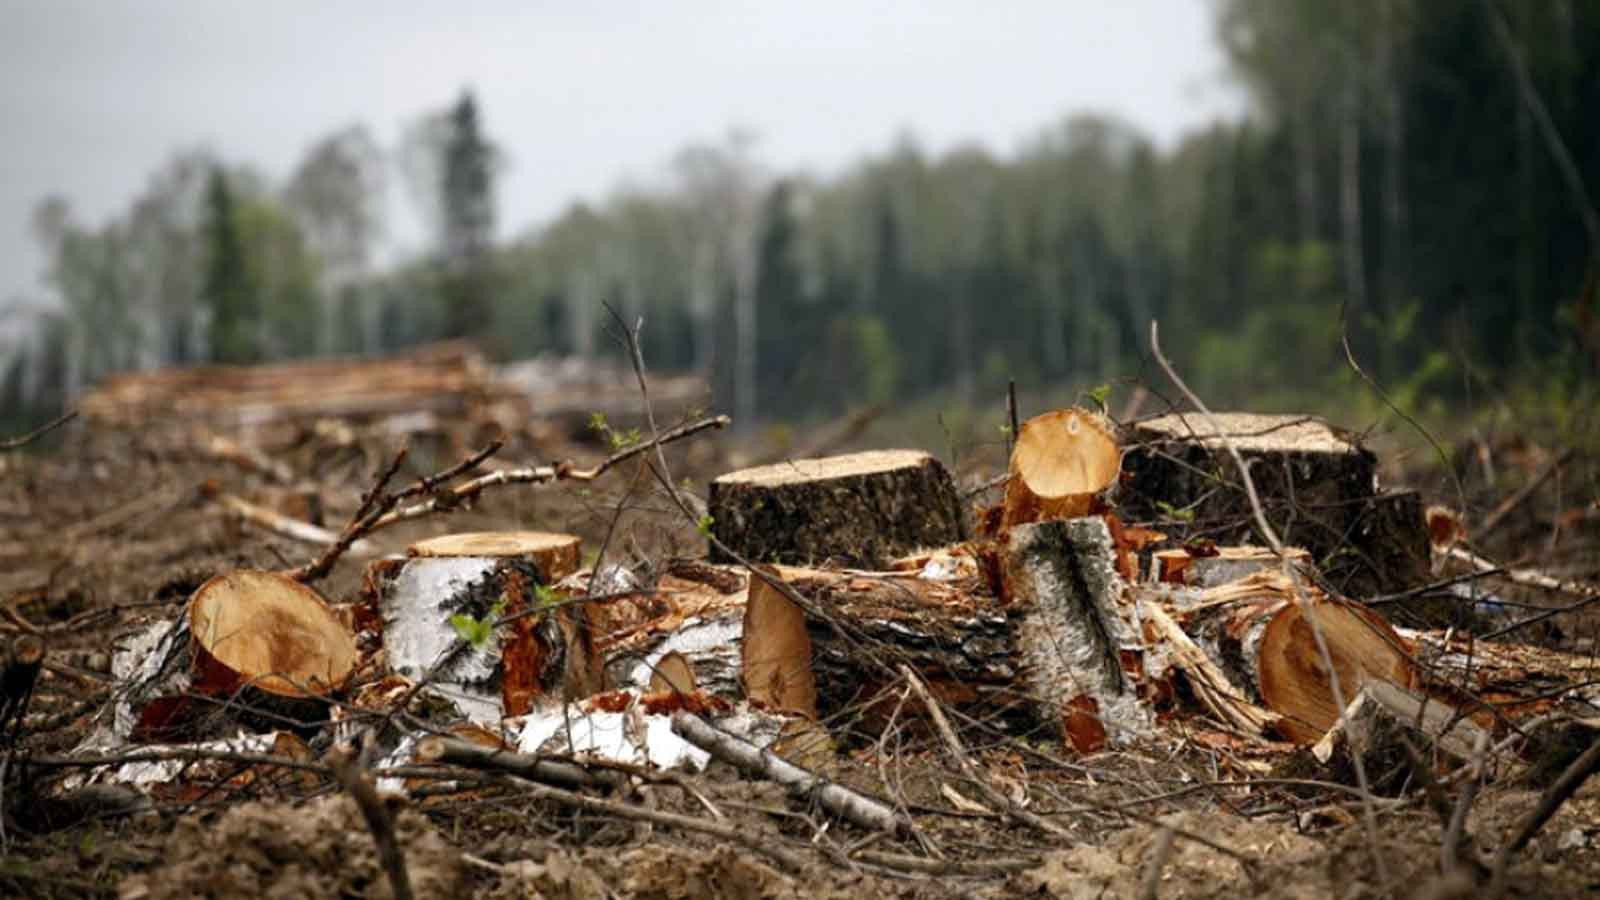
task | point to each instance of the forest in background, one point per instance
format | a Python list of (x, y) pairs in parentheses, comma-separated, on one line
[(1416, 172)]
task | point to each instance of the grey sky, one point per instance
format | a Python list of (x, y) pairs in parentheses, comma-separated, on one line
[(96, 95)]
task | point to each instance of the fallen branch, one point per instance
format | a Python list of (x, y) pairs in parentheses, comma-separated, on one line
[(467, 755), (948, 734), (287, 526), (763, 843), (378, 820), (835, 798), (41, 431), (1513, 502), (1564, 787), (563, 471)]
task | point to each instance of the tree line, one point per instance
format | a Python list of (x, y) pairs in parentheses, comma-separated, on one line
[(1413, 174)]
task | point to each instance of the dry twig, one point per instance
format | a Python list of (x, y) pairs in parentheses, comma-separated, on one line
[(378, 820)]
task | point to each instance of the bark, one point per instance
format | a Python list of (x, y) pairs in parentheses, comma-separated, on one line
[(1317, 486), (452, 584), (1074, 630), (863, 509)]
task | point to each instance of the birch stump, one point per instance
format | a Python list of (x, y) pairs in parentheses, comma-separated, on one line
[(1073, 634), (442, 612), (862, 509), (1063, 461), (259, 643)]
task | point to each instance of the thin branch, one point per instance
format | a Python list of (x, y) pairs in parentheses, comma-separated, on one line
[(378, 821), (1564, 787), (41, 431)]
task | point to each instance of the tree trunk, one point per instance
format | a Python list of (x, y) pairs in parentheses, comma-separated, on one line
[(1351, 236), (863, 509)]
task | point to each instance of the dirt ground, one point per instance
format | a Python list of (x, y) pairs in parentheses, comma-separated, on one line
[(102, 532)]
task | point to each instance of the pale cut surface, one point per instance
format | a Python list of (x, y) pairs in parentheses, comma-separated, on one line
[(672, 673), (1251, 431), (271, 632), (1066, 453), (807, 470), (556, 554), (775, 656)]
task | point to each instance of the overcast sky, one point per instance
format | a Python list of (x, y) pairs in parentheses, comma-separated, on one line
[(96, 94)]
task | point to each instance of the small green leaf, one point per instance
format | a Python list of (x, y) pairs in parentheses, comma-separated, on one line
[(1099, 394), (474, 631), (546, 596), (597, 422), (704, 525), (1173, 512)]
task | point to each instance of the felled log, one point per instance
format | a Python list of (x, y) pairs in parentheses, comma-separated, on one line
[(1072, 634), (862, 509), (260, 643), (466, 611), (1317, 485), (1263, 637), (1377, 723), (1062, 461)]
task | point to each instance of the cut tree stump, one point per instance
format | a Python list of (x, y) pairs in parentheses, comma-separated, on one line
[(1073, 635), (1264, 640), (862, 509), (259, 643), (1063, 460), (455, 587), (1317, 485)]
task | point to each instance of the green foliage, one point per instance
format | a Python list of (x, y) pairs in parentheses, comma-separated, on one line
[(704, 525), (478, 631)]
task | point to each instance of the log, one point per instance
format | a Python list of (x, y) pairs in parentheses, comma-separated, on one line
[(1063, 460), (1074, 630), (440, 611), (1317, 485), (1263, 638), (863, 509)]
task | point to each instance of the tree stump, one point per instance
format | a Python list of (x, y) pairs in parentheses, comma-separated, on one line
[(1062, 461), (1073, 635), (440, 608), (862, 509), (260, 643), (1317, 485)]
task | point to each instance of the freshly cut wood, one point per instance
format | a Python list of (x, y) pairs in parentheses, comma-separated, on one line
[(1375, 725), (1206, 680), (1186, 567), (775, 651), (266, 631), (555, 555), (256, 647), (1073, 633), (862, 509), (472, 614), (1062, 461), (1265, 639)]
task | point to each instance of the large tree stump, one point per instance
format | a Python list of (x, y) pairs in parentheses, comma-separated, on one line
[(1072, 635), (1264, 641), (1062, 461), (440, 609), (863, 509), (1318, 488)]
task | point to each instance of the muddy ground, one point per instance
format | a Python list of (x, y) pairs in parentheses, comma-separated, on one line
[(103, 531)]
